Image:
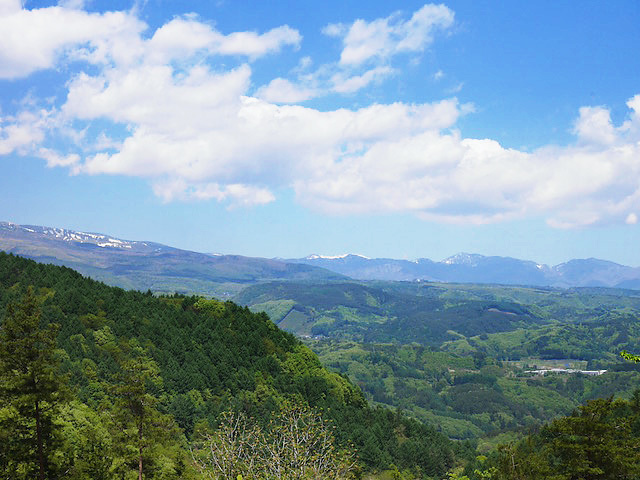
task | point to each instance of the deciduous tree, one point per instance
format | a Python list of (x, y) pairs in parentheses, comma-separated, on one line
[(297, 444)]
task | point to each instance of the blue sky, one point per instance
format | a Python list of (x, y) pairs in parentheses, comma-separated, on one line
[(280, 129)]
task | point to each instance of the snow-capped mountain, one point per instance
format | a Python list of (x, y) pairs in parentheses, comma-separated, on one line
[(315, 256), (142, 264), (148, 265), (74, 237), (475, 268), (471, 259)]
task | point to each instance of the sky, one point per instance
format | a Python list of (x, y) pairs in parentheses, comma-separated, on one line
[(286, 128)]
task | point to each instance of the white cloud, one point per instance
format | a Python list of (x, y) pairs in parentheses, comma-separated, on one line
[(191, 127), (23, 132), (447, 178), (415, 34), (364, 40), (631, 126), (594, 126), (54, 159), (179, 38), (281, 90), (186, 36), (10, 6), (385, 37), (335, 29), (237, 194), (254, 45), (353, 83), (457, 88), (37, 39), (365, 43)]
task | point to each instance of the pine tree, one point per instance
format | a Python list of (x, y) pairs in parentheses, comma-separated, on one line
[(141, 427), (31, 389)]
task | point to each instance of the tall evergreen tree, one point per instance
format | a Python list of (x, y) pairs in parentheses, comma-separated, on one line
[(141, 426), (30, 387)]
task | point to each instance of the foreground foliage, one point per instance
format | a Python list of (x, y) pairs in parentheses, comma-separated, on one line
[(601, 440), (296, 444), (30, 390)]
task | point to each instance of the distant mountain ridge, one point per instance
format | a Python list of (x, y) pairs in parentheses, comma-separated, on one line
[(149, 265), (475, 268)]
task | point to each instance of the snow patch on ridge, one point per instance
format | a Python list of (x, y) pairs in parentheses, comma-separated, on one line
[(463, 259), (73, 236), (334, 257)]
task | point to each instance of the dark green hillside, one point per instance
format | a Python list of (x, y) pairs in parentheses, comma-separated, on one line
[(509, 323), (599, 440), (199, 358)]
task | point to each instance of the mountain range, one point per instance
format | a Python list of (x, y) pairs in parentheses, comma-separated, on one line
[(474, 268), (146, 265)]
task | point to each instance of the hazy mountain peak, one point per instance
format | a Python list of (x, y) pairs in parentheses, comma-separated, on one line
[(315, 256), (475, 268), (462, 258), (588, 262)]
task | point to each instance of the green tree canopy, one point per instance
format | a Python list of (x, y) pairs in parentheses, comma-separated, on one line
[(31, 388)]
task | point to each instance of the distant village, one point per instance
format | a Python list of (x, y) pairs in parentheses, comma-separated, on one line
[(545, 371)]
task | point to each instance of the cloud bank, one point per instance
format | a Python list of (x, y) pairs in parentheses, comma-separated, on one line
[(164, 106)]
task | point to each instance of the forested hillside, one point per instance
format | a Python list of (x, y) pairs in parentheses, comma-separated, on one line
[(457, 356), (597, 441), (507, 323), (135, 380)]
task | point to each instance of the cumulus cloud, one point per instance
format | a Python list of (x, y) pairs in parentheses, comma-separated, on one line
[(186, 36), (384, 37), (165, 111), (445, 177), (23, 131), (37, 39), (254, 45), (40, 38), (352, 83), (368, 47), (54, 159), (631, 126), (594, 126), (281, 90)]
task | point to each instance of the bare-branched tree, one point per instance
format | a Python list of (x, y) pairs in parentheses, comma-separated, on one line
[(297, 444)]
